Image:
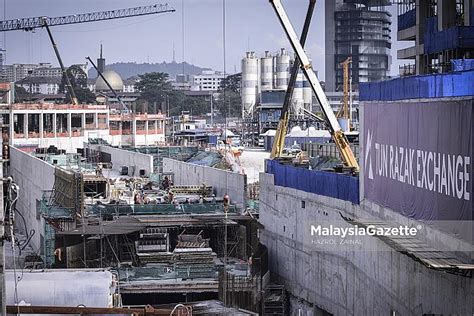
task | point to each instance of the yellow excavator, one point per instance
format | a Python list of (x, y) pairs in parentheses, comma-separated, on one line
[(340, 139)]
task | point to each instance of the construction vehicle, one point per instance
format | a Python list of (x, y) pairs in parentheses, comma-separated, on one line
[(347, 156), (29, 24)]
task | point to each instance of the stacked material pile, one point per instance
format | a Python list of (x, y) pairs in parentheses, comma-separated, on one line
[(194, 258)]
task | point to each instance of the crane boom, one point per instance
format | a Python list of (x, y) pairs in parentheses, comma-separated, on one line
[(63, 69), (28, 24), (337, 134), (108, 84), (279, 140)]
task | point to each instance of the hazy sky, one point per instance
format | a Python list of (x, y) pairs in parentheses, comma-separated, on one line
[(250, 25)]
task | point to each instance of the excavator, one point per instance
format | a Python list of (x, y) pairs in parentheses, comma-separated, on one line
[(347, 156)]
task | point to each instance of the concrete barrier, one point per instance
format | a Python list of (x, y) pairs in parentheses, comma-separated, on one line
[(223, 182)]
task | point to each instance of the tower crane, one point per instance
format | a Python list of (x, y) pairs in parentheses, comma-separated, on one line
[(335, 129), (29, 24)]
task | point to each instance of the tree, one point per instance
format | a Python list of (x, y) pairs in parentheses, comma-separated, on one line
[(78, 79), (232, 105), (232, 83), (153, 88), (21, 94)]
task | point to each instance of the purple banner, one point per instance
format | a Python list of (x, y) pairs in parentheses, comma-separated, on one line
[(417, 157)]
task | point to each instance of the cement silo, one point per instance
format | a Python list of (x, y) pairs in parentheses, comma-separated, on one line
[(307, 95), (282, 73), (297, 97), (249, 87), (266, 72)]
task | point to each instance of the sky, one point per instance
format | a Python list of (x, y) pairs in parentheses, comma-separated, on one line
[(250, 25)]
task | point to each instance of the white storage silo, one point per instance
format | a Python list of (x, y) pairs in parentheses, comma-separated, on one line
[(249, 85), (266, 72), (282, 71), (297, 97)]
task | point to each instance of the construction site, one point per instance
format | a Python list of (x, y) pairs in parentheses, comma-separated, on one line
[(356, 201)]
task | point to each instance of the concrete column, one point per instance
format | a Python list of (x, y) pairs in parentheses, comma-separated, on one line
[(55, 123), (146, 127), (25, 125), (96, 120), (108, 120), (134, 126), (468, 7), (421, 15), (83, 123), (41, 125), (69, 124), (120, 127), (11, 127), (134, 130), (446, 14), (156, 127)]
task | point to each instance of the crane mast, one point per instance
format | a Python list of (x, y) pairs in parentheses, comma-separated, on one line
[(344, 111), (337, 134)]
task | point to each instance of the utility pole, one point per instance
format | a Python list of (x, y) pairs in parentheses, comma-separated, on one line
[(212, 109), (2, 246)]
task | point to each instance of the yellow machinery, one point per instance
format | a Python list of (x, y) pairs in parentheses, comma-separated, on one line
[(279, 140), (347, 156)]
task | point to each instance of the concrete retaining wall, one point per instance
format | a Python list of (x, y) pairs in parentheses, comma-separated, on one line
[(376, 282), (224, 182), (33, 176), (133, 160)]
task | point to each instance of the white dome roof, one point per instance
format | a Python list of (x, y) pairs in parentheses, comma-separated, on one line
[(113, 78)]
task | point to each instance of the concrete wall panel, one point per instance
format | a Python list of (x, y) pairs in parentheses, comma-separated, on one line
[(224, 182), (33, 176)]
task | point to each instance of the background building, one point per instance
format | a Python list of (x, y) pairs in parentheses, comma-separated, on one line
[(208, 80), (40, 85), (440, 30), (361, 30), (16, 72)]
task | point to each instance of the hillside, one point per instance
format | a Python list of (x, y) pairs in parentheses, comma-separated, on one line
[(129, 69)]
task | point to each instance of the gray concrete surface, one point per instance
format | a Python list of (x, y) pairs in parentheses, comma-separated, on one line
[(223, 182), (122, 157), (33, 176), (359, 282)]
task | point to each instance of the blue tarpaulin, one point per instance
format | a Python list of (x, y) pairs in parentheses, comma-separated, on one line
[(330, 184), (462, 64), (407, 19), (452, 38), (458, 84)]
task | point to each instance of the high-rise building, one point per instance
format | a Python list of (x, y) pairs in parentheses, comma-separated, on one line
[(440, 30), (359, 29)]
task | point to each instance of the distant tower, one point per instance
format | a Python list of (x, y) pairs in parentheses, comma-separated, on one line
[(101, 62)]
